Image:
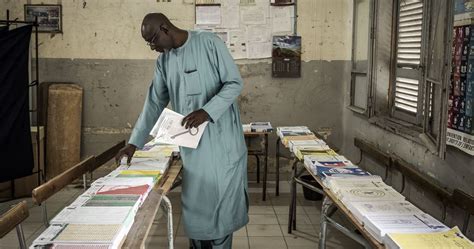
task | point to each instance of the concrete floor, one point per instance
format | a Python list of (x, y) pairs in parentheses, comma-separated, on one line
[(267, 227)]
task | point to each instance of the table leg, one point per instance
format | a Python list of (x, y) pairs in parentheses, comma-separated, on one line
[(167, 208), (277, 167), (257, 158), (323, 223), (265, 167), (295, 191), (292, 208)]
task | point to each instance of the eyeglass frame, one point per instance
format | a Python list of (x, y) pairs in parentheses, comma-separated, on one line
[(152, 41)]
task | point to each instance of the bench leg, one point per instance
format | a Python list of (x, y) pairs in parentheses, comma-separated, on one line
[(45, 214), (21, 237)]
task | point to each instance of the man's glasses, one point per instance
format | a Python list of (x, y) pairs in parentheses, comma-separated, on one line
[(153, 38), (152, 41)]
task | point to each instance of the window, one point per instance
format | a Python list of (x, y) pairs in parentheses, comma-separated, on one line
[(362, 44), (410, 68)]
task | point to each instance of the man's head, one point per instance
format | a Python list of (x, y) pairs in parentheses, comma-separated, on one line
[(157, 30)]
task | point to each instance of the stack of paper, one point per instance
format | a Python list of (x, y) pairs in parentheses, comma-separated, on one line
[(294, 133), (261, 127), (168, 130), (93, 215), (379, 226), (113, 201), (316, 150), (155, 174), (102, 216), (247, 127), (451, 239), (347, 195), (381, 208), (305, 143), (328, 165)]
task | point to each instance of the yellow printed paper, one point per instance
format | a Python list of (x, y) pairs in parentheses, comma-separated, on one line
[(451, 239)]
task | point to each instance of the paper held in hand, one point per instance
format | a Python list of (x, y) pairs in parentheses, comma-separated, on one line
[(168, 130)]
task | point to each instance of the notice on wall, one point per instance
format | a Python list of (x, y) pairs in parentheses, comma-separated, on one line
[(286, 56), (230, 12), (253, 14), (460, 140), (282, 19), (238, 44), (259, 50), (460, 133), (208, 14)]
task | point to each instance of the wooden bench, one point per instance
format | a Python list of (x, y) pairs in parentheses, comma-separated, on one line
[(13, 219)]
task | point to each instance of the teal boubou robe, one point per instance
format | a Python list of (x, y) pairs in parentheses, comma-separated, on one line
[(202, 74)]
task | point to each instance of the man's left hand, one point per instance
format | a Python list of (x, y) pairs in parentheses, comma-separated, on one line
[(195, 119)]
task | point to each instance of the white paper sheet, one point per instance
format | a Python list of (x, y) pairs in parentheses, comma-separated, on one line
[(253, 14), (223, 34), (238, 43), (208, 15), (92, 215), (168, 130), (257, 50), (282, 19), (230, 14), (129, 181), (258, 33), (48, 235)]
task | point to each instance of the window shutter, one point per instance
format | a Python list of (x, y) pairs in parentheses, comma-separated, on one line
[(408, 59)]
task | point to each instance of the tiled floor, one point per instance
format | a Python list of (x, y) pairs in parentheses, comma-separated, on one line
[(267, 227)]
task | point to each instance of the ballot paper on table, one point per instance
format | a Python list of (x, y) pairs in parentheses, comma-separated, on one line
[(168, 129)]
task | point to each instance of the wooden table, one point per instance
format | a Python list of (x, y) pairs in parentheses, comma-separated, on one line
[(262, 151), (145, 216), (329, 206)]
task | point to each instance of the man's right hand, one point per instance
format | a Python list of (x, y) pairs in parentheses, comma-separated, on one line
[(128, 151)]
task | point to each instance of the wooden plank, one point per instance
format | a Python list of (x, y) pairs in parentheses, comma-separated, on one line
[(374, 243), (172, 175), (107, 155), (145, 216), (143, 220), (17, 214), (54, 185), (425, 182), (373, 152), (464, 201)]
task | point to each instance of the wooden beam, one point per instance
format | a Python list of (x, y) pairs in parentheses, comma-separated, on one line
[(463, 200), (375, 153), (17, 214), (54, 185), (425, 182), (107, 155)]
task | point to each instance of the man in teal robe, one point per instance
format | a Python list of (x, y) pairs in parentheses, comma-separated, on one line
[(196, 72)]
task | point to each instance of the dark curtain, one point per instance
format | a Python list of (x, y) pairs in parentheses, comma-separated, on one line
[(16, 152)]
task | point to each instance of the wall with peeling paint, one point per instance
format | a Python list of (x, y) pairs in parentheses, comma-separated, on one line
[(455, 171), (110, 29), (101, 48)]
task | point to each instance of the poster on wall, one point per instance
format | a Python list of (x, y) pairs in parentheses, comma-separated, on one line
[(49, 16), (460, 133), (286, 56)]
